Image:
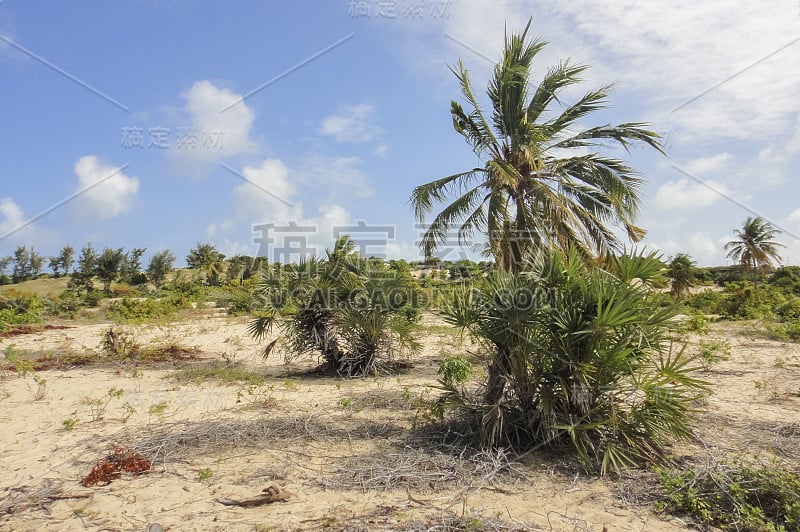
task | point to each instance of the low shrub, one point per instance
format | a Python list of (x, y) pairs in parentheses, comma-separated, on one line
[(707, 301), (137, 310), (696, 322), (17, 308), (93, 298), (785, 331), (735, 496), (744, 301), (577, 357), (789, 311), (712, 352)]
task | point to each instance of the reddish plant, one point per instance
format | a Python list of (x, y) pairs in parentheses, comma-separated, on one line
[(111, 467)]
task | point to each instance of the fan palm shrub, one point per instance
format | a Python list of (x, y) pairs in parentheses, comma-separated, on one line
[(576, 355), (352, 312)]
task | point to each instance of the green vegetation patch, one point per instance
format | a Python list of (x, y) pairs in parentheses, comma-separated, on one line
[(735, 496), (219, 372), (130, 310)]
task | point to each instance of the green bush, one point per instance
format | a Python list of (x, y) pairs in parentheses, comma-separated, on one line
[(240, 302), (786, 331), (17, 308), (707, 301), (349, 311), (577, 356), (712, 352), (68, 303), (191, 290), (787, 278), (744, 301), (735, 496), (696, 322), (92, 298), (136, 310), (789, 311)]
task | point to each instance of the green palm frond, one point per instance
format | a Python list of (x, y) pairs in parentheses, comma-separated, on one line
[(754, 247), (590, 102), (534, 186), (564, 75), (579, 355), (624, 134), (352, 312), (474, 126)]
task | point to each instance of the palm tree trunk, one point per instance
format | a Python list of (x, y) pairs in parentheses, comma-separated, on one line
[(498, 375), (519, 240)]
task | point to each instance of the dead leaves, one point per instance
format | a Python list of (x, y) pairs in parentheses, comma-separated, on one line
[(111, 467)]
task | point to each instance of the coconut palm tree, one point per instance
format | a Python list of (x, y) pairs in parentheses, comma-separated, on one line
[(681, 271), (754, 247), (536, 187)]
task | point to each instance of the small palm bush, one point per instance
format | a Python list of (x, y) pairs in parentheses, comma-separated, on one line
[(352, 312), (578, 356)]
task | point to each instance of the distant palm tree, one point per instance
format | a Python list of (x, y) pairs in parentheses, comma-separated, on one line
[(754, 247), (681, 271), (537, 187)]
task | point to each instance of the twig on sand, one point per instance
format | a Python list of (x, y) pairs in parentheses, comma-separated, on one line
[(23, 498), (268, 495)]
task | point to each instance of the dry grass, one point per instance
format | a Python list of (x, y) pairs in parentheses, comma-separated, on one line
[(374, 465), (21, 498), (182, 440), (41, 287)]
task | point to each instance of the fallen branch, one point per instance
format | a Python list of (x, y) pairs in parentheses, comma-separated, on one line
[(268, 495)]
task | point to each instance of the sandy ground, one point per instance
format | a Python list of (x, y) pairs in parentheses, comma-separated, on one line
[(342, 447)]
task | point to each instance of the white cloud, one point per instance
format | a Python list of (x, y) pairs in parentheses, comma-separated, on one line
[(111, 194), (668, 54), (699, 246), (342, 176), (217, 131), (794, 144), (710, 164), (268, 194), (676, 53), (351, 124), (403, 250), (381, 150), (686, 194), (11, 216), (792, 224), (703, 248)]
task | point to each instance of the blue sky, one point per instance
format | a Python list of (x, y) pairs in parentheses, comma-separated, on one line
[(334, 111)]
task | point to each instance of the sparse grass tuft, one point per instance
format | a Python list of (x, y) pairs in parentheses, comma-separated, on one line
[(219, 372), (712, 352), (696, 322)]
